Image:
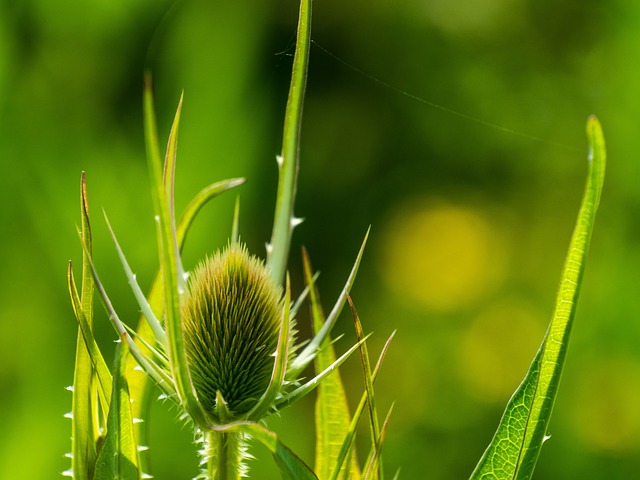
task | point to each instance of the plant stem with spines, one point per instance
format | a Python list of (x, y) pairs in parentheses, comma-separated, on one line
[(224, 455)]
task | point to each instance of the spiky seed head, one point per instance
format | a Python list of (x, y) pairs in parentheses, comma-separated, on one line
[(231, 317)]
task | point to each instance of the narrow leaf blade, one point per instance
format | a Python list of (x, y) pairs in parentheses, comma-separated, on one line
[(311, 350), (332, 410), (371, 402), (118, 457), (351, 433), (97, 362), (85, 427), (515, 448)]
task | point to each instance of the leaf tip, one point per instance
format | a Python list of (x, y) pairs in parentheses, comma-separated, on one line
[(83, 195), (593, 125), (147, 80)]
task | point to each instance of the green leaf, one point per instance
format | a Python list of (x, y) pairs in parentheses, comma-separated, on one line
[(118, 457), (152, 367), (376, 440), (308, 387), (84, 411), (351, 433), (235, 228), (288, 161), (199, 201), (373, 467), (169, 257), (97, 363), (515, 448), (290, 465), (147, 312), (332, 410)]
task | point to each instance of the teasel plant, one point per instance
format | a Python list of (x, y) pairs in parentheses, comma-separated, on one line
[(219, 342)]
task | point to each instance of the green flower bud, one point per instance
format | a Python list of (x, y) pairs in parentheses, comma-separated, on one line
[(231, 319)]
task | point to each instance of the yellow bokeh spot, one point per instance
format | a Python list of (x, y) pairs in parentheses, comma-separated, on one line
[(442, 256), (606, 406), (495, 350)]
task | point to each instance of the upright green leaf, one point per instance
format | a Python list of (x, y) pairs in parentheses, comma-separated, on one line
[(332, 410), (515, 448), (372, 470), (376, 438), (284, 220), (84, 413), (118, 457), (97, 363), (351, 432)]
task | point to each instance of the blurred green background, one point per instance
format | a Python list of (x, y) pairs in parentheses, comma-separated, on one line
[(470, 223)]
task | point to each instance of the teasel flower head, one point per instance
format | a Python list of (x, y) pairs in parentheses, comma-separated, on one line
[(223, 349), (231, 317)]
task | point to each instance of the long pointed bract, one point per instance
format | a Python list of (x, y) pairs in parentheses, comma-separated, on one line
[(145, 308), (308, 354), (280, 364), (315, 381)]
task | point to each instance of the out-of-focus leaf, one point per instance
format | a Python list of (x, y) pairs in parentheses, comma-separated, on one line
[(514, 450), (290, 465), (235, 228), (118, 457), (288, 161), (332, 410)]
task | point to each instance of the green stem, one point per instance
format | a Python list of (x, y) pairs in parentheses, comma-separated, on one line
[(224, 455)]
